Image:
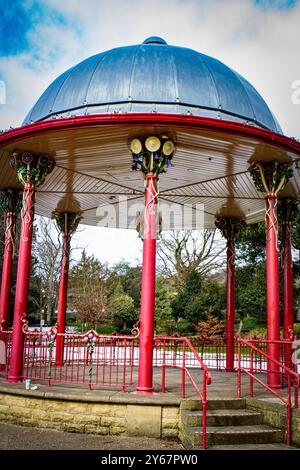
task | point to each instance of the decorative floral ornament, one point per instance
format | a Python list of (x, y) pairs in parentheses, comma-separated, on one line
[(152, 155), (270, 177), (90, 339), (67, 222), (136, 329), (31, 169), (230, 227), (51, 336)]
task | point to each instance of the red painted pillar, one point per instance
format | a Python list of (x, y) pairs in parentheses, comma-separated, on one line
[(230, 307), (62, 300), (288, 298), (145, 369), (16, 363), (272, 278), (7, 269)]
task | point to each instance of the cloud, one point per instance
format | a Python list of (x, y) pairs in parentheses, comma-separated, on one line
[(259, 39)]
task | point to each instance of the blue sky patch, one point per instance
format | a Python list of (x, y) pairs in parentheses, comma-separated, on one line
[(276, 4), (18, 18)]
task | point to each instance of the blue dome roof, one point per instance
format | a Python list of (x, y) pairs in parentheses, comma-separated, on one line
[(153, 77)]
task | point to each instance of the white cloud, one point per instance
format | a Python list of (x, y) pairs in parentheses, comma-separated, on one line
[(261, 45)]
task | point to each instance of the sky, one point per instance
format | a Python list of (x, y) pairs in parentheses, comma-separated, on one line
[(41, 39)]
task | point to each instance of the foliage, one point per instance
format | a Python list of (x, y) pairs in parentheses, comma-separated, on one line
[(46, 250), (297, 329), (130, 279), (88, 289), (199, 298), (164, 294), (258, 332), (248, 322), (186, 295), (121, 310), (251, 291), (212, 328), (180, 253), (251, 244)]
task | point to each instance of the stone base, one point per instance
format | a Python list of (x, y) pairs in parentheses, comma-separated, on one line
[(112, 413)]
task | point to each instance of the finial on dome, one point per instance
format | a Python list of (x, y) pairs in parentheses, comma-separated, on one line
[(154, 40)]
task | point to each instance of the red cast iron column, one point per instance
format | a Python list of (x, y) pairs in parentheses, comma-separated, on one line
[(271, 178), (152, 156), (272, 279), (145, 369), (7, 269), (67, 223), (27, 214), (285, 211), (62, 300), (230, 228), (230, 307), (10, 204), (31, 172)]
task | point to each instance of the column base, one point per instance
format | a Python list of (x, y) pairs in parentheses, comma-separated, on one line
[(144, 391), (14, 380), (278, 387)]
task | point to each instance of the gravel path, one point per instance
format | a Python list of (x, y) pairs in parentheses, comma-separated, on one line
[(14, 437)]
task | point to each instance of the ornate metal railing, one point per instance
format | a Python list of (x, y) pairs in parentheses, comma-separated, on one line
[(178, 352), (288, 376)]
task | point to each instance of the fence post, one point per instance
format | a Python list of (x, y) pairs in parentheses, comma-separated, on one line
[(239, 385), (163, 369), (183, 370), (251, 372)]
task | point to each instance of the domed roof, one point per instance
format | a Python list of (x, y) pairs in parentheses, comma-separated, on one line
[(153, 77)]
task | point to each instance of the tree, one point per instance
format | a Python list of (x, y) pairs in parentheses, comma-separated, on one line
[(130, 278), (121, 309), (251, 244), (164, 294), (183, 252), (251, 291), (211, 328), (186, 295), (88, 287), (210, 300), (46, 250)]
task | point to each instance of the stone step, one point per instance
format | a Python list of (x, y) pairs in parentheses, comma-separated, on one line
[(227, 417), (254, 447), (215, 404), (231, 435)]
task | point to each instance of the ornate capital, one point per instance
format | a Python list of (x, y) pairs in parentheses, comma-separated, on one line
[(152, 155), (31, 169), (230, 227), (67, 222), (10, 201), (270, 177), (286, 210)]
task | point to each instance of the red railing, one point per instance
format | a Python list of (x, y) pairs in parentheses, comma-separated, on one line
[(180, 353), (5, 351), (88, 359), (251, 367), (212, 351)]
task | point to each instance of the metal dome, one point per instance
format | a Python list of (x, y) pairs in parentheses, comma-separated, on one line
[(153, 77)]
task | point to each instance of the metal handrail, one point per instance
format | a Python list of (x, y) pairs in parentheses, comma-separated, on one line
[(289, 372), (206, 375)]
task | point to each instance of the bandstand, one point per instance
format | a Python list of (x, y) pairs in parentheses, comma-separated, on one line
[(177, 140)]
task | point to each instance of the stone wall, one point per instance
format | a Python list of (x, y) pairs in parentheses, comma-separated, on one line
[(274, 414), (124, 414)]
